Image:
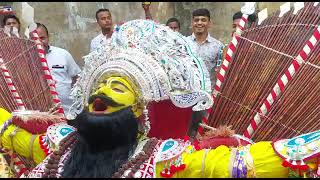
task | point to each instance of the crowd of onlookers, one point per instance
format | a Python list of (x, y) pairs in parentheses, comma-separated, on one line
[(65, 70)]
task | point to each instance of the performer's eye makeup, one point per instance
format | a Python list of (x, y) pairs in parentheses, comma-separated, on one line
[(119, 87), (118, 90)]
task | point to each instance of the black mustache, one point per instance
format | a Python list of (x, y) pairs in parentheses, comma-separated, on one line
[(107, 100)]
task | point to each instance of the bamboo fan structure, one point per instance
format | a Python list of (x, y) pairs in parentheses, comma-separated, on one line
[(263, 55), (22, 61)]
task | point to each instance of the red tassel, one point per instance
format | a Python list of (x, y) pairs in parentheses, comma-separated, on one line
[(200, 130), (196, 145), (181, 167), (60, 110), (304, 167), (286, 163), (186, 138), (170, 175), (173, 169), (294, 166), (165, 174)]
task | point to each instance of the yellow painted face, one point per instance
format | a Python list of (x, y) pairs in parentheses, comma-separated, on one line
[(120, 91)]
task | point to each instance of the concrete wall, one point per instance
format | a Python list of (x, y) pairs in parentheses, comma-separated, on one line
[(221, 15), (72, 25)]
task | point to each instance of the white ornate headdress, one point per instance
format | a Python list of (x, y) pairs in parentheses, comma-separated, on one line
[(158, 61)]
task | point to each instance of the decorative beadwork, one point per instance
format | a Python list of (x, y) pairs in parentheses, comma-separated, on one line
[(128, 169), (146, 120), (51, 168)]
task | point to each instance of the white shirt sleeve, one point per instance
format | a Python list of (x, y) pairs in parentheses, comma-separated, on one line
[(92, 45), (73, 68)]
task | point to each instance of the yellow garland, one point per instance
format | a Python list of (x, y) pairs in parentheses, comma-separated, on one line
[(265, 163)]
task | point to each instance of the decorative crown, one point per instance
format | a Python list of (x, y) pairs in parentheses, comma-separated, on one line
[(156, 60)]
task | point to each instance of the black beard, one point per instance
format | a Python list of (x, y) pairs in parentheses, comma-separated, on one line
[(105, 143)]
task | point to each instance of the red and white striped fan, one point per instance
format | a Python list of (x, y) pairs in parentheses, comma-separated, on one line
[(268, 85), (26, 83), (22, 80)]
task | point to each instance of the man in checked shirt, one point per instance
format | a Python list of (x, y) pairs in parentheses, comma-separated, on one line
[(206, 47)]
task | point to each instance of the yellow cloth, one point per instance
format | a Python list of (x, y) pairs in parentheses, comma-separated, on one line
[(20, 140), (266, 163), (4, 167), (4, 115)]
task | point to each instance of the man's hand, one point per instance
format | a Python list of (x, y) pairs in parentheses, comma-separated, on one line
[(146, 6)]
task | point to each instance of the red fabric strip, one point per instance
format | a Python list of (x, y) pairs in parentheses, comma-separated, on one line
[(244, 19), (296, 65), (310, 45), (268, 106), (316, 34), (254, 124), (217, 88), (246, 134), (281, 85), (303, 55), (232, 47), (287, 73)]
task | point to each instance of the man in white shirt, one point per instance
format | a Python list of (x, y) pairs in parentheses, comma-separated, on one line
[(63, 68), (104, 19), (206, 47)]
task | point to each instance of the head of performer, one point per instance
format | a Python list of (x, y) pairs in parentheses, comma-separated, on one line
[(108, 128), (112, 111), (11, 20), (44, 36)]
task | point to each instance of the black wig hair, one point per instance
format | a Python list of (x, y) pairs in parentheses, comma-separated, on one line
[(105, 143)]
